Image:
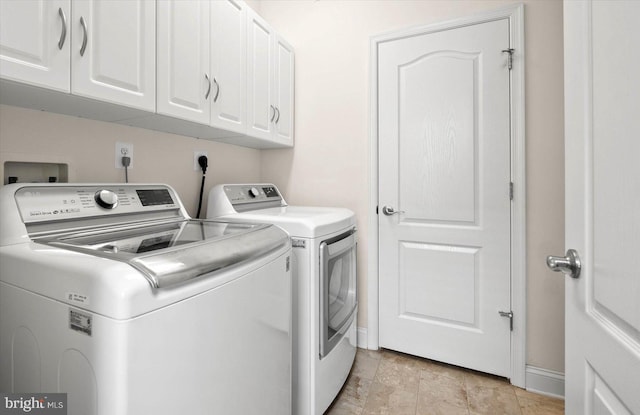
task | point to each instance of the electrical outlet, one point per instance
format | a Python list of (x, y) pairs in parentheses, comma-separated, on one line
[(196, 156), (123, 149)]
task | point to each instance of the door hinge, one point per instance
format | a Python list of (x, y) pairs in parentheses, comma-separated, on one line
[(510, 190), (507, 314), (510, 58)]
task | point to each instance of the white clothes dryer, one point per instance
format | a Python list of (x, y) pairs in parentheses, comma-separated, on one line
[(324, 285), (113, 295)]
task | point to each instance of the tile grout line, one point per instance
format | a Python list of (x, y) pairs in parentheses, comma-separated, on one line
[(516, 395), (466, 392), (369, 389), (513, 388), (417, 393)]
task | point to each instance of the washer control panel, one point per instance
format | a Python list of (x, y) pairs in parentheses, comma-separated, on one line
[(47, 203)]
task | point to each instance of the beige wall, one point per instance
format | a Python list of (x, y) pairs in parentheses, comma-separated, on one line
[(329, 164), (88, 147)]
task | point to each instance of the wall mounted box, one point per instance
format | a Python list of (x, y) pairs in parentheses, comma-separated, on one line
[(34, 172)]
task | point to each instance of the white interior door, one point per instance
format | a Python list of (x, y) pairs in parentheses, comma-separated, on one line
[(602, 147), (444, 174)]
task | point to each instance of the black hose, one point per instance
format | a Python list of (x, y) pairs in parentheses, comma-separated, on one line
[(204, 163), (201, 194)]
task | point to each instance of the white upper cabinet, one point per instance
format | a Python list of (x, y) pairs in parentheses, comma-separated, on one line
[(210, 69), (202, 62), (270, 84), (113, 47), (184, 83), (228, 65), (283, 91), (34, 42), (260, 111)]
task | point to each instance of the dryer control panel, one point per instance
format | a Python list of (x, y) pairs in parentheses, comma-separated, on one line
[(263, 194)]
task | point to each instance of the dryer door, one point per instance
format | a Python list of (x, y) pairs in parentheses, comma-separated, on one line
[(338, 301)]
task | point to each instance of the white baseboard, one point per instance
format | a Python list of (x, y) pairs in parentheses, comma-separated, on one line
[(544, 381), (362, 338)]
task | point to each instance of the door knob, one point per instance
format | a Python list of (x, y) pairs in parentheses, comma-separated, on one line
[(569, 264), (388, 210)]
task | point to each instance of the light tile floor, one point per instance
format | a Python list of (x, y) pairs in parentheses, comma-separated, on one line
[(387, 382)]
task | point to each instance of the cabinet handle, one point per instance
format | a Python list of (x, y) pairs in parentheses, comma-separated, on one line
[(273, 109), (206, 95), (278, 118), (63, 34), (215, 98), (84, 39)]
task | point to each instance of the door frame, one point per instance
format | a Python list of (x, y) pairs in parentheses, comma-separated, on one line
[(515, 14)]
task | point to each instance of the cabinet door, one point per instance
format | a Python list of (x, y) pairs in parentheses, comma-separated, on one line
[(283, 91), (184, 80), (228, 65), (113, 51), (34, 42), (260, 111)]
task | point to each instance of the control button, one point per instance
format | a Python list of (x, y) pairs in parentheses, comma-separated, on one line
[(106, 199), (254, 192)]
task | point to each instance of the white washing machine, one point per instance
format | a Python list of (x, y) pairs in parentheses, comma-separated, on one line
[(324, 285), (113, 295)]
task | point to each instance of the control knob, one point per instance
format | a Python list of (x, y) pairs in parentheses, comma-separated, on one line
[(254, 192), (106, 199)]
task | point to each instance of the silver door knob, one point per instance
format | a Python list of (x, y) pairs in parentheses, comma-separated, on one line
[(388, 210), (569, 264)]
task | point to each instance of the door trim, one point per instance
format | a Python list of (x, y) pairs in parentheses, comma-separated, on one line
[(515, 14)]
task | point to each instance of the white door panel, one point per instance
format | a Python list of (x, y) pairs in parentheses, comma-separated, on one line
[(31, 33), (283, 90), (616, 172), (118, 64), (442, 163), (453, 272), (183, 60), (602, 206), (228, 63), (444, 158)]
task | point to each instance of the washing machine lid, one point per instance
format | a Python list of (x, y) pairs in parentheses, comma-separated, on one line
[(301, 221), (176, 251)]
